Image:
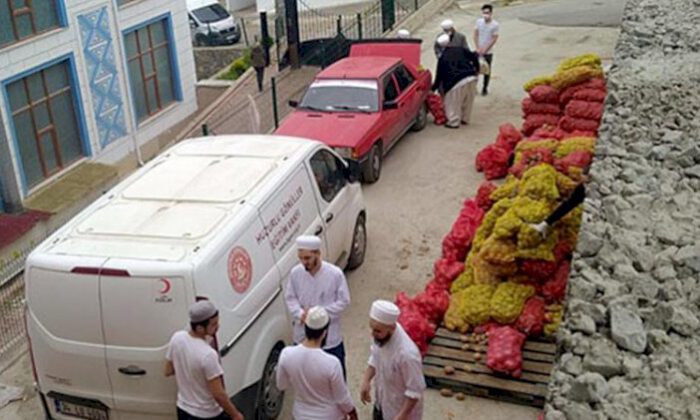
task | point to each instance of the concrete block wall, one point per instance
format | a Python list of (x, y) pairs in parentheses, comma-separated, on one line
[(629, 342)]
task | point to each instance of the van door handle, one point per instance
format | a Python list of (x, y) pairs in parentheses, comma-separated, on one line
[(329, 217), (318, 231), (132, 370)]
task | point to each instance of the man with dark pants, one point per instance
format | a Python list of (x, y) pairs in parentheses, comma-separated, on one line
[(314, 282), (194, 362), (485, 37), (257, 60)]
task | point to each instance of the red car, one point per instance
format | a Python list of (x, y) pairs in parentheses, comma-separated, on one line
[(363, 104)]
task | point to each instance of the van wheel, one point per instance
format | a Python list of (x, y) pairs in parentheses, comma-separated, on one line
[(201, 40), (359, 244), (421, 119), (270, 399), (373, 165)]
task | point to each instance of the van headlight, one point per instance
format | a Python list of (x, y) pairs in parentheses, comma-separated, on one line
[(345, 152)]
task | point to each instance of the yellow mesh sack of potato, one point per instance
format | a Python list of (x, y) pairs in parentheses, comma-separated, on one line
[(520, 279), (489, 273), (498, 251), (574, 76), (537, 81), (454, 317), (485, 229), (508, 300), (590, 60), (508, 225), (507, 190), (553, 316), (531, 211), (565, 185), (463, 281), (528, 237), (574, 144), (543, 251), (540, 183), (476, 303)]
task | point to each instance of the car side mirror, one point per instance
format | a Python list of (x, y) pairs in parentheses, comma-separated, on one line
[(293, 103), (391, 105), (352, 170)]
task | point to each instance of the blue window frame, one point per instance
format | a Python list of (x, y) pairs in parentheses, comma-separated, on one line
[(22, 19), (47, 119), (151, 63)]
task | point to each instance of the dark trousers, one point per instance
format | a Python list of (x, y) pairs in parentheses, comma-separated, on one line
[(184, 415), (377, 414), (487, 77), (339, 352), (260, 74)]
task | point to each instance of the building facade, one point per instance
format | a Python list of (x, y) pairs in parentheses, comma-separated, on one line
[(87, 79)]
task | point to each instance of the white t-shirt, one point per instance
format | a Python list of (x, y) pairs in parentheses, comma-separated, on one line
[(327, 288), (486, 33), (317, 379), (196, 363)]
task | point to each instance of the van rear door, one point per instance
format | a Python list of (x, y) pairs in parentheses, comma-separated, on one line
[(141, 308), (64, 324)]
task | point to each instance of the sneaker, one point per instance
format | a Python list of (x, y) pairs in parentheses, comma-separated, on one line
[(484, 92), (464, 122), (451, 126)]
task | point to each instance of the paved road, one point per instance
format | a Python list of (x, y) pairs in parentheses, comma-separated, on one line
[(568, 13)]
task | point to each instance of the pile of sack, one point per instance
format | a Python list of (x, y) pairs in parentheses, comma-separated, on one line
[(436, 108), (498, 274)]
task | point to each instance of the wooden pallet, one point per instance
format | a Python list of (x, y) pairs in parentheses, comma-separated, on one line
[(473, 377)]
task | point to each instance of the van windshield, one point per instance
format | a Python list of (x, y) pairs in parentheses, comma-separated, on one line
[(211, 13)]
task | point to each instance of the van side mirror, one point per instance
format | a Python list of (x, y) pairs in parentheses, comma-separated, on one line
[(391, 105), (293, 103), (352, 170)]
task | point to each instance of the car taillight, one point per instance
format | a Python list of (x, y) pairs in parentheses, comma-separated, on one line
[(96, 271)]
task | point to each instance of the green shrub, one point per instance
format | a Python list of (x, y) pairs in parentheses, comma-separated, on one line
[(238, 67)]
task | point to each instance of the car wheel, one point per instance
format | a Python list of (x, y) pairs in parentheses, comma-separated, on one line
[(373, 165), (359, 244), (270, 399), (421, 118), (201, 40)]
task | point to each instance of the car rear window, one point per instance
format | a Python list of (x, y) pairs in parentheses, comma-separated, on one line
[(341, 96)]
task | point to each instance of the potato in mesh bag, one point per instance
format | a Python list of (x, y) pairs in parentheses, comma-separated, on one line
[(476, 300), (553, 316), (508, 300), (498, 251), (507, 190), (508, 225), (543, 251), (531, 211), (565, 185), (590, 60), (528, 237), (537, 81), (575, 144), (463, 281), (540, 183), (574, 76)]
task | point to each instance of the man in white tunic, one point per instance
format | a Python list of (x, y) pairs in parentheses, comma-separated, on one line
[(320, 392), (315, 282), (396, 365)]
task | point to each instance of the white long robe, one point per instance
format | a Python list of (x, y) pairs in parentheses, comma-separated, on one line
[(317, 379), (328, 288), (399, 375)]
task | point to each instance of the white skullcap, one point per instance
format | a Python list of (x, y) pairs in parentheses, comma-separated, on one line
[(309, 242), (403, 33), (201, 311), (317, 318), (384, 312), (443, 40), (447, 24)]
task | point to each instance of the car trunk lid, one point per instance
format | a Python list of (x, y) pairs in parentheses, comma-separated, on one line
[(407, 50)]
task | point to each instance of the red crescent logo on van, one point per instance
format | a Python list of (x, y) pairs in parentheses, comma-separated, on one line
[(240, 269), (166, 286)]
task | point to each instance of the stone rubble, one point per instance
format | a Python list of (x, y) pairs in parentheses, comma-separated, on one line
[(630, 338)]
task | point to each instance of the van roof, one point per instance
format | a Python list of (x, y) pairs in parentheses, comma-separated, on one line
[(181, 198), (196, 4)]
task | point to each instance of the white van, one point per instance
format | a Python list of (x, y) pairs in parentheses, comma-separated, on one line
[(212, 218), (211, 24)]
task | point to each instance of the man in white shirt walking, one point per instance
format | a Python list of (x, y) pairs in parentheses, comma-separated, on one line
[(314, 282), (485, 37), (198, 372), (396, 365), (320, 392)]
